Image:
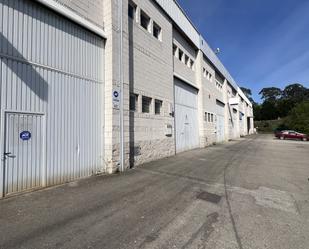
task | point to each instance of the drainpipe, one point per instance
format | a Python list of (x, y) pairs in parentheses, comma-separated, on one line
[(121, 118)]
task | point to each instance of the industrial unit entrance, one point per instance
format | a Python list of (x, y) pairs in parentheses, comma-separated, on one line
[(186, 117), (23, 152), (220, 122), (52, 99)]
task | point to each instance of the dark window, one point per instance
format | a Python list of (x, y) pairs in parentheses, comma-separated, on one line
[(191, 64), (187, 60), (145, 20), (212, 118), (180, 54), (174, 50), (133, 102), (131, 10), (158, 106), (157, 31), (146, 103), (205, 117), (209, 117)]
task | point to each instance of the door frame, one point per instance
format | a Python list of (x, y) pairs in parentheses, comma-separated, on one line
[(3, 140)]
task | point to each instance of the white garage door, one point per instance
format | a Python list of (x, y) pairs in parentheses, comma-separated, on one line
[(220, 122), (186, 117), (52, 106)]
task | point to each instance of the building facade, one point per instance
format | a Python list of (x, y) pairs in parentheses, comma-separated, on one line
[(61, 67)]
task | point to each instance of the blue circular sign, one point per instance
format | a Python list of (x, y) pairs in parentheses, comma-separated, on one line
[(116, 94), (25, 135)]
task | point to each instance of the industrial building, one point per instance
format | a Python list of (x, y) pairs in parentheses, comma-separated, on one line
[(91, 87)]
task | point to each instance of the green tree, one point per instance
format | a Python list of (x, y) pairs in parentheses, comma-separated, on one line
[(271, 94), (284, 106), (257, 111), (298, 118), (248, 94), (269, 110), (295, 93)]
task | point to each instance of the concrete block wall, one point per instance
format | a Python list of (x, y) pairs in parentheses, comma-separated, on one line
[(180, 68), (112, 82), (232, 116), (210, 96), (242, 118), (92, 10), (149, 69)]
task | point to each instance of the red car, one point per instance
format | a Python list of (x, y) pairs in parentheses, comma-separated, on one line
[(291, 135)]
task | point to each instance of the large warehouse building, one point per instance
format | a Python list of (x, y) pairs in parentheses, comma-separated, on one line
[(85, 88)]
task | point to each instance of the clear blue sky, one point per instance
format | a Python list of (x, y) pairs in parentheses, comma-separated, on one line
[(263, 42)]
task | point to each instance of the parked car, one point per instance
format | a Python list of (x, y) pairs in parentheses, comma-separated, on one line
[(291, 135)]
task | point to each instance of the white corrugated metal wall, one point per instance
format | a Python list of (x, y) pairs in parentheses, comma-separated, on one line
[(186, 117), (220, 122), (54, 68)]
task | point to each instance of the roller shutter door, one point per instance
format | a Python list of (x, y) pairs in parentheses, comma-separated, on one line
[(220, 122), (186, 117)]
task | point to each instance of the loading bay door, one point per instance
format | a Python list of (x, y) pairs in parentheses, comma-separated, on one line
[(220, 122), (23, 150), (186, 117)]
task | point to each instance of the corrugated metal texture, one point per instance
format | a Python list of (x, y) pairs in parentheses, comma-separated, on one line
[(53, 67), (75, 129), (220, 110), (186, 117), (33, 33), (220, 128), (186, 95), (173, 9), (24, 157)]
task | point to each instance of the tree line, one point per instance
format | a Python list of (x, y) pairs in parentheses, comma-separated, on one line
[(289, 105)]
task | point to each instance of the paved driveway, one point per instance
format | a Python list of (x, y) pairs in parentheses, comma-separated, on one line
[(251, 193)]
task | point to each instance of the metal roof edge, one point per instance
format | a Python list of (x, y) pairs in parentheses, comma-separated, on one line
[(61, 9), (180, 18)]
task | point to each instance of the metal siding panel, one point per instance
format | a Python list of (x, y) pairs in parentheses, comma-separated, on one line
[(220, 122), (47, 76), (186, 117), (23, 171)]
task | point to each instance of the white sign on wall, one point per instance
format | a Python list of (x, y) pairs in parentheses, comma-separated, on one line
[(116, 99)]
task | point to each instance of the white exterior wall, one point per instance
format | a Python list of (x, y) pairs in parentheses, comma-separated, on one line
[(210, 96), (91, 10), (46, 46), (148, 71), (186, 117), (42, 73), (182, 70)]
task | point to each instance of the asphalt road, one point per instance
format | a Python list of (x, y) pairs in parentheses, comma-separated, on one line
[(252, 193)]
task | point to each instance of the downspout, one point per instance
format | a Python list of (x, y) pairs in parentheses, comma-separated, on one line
[(121, 118)]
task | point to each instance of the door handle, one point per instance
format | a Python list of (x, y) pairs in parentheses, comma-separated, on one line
[(9, 154)]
